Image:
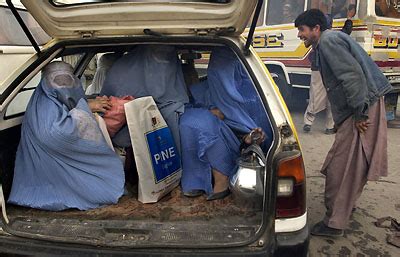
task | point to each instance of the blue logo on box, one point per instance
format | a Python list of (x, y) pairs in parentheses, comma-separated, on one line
[(164, 155)]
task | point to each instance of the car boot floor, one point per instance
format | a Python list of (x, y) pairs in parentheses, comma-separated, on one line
[(173, 207)]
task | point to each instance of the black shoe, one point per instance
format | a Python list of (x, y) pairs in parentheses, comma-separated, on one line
[(194, 193), (307, 128), (320, 229), (330, 131), (219, 195)]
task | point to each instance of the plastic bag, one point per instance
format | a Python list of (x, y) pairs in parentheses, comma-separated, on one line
[(157, 159)]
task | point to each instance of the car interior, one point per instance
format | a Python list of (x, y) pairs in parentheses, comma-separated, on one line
[(223, 221)]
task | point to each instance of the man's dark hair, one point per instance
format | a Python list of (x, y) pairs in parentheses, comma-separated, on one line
[(351, 7), (312, 18)]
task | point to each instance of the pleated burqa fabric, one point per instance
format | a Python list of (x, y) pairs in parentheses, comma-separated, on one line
[(149, 70), (63, 160), (209, 142)]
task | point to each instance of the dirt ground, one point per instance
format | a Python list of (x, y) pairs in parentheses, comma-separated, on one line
[(379, 199)]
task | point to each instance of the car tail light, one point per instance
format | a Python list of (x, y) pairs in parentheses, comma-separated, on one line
[(291, 195)]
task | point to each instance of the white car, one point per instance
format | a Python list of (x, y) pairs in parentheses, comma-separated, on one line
[(175, 226)]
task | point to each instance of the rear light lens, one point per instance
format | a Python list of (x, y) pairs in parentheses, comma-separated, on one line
[(291, 195)]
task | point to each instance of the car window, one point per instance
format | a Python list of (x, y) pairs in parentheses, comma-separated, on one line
[(261, 17), (19, 103), (286, 11), (88, 74)]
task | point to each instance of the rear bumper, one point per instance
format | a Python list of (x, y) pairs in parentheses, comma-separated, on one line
[(287, 244), (293, 243)]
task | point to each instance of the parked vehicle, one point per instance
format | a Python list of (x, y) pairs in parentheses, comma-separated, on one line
[(375, 27), (175, 226)]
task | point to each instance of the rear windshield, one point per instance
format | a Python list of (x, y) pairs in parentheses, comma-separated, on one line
[(11, 33), (73, 2)]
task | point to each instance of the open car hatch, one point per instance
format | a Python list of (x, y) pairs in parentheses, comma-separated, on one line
[(69, 19)]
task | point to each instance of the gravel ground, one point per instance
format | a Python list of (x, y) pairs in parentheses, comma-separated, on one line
[(379, 199)]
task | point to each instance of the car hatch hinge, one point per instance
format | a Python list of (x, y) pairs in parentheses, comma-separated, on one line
[(202, 32), (87, 34)]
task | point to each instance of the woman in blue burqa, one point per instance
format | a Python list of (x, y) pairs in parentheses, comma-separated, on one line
[(149, 70), (63, 160), (225, 110)]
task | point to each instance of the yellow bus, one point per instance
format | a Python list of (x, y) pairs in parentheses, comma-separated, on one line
[(376, 27)]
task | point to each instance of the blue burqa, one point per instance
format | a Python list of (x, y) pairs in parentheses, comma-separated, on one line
[(208, 142), (63, 160), (152, 70)]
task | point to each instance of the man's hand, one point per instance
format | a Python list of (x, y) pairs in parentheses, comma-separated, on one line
[(247, 138), (100, 104), (217, 113), (362, 125)]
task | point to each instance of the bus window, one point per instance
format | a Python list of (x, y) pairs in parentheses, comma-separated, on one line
[(11, 33), (389, 9), (286, 11), (260, 21), (261, 17), (336, 8)]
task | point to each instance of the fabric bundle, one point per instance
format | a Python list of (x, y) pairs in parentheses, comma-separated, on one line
[(115, 117)]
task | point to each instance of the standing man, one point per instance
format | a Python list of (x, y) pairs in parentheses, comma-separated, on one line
[(355, 87), (318, 100)]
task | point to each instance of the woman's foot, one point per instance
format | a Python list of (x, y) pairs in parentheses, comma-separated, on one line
[(221, 184), (220, 195), (194, 193)]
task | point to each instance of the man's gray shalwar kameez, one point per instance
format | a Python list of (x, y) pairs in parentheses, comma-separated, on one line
[(355, 88)]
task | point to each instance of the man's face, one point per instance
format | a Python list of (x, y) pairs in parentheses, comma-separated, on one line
[(351, 13), (310, 36)]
